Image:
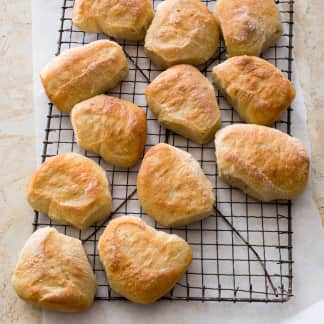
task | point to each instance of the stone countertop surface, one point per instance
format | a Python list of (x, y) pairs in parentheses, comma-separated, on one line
[(309, 55), (17, 150), (17, 131)]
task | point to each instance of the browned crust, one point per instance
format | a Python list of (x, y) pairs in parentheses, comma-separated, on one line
[(83, 72), (184, 101), (261, 161), (126, 19), (258, 91), (172, 187), (53, 272), (141, 263), (71, 189), (248, 27), (182, 31), (112, 127)]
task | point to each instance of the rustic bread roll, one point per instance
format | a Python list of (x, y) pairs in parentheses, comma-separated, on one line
[(172, 187), (83, 72), (53, 272), (71, 189), (112, 127), (258, 91), (142, 264), (184, 101), (118, 18), (263, 162), (182, 31), (248, 27)]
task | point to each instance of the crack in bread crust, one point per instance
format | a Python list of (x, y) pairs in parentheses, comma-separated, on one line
[(261, 161)]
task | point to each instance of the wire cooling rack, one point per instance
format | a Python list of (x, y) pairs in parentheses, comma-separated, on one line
[(242, 253)]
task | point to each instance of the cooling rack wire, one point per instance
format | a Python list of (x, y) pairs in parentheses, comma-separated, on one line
[(242, 253)]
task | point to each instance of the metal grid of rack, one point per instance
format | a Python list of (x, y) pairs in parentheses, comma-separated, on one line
[(242, 253)]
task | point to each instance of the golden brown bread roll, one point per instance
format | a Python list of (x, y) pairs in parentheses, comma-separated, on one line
[(142, 264), (182, 31), (248, 27), (83, 72), (71, 189), (258, 91), (263, 162), (126, 19), (172, 187), (53, 272), (112, 127), (184, 101)]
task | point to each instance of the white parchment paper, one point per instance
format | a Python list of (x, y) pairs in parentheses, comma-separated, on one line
[(308, 238)]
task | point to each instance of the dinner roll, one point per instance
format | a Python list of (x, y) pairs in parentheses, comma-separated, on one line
[(142, 264), (113, 128), (263, 162), (83, 72), (248, 27), (182, 31), (184, 101), (172, 188), (71, 189), (53, 272), (126, 19), (258, 91)]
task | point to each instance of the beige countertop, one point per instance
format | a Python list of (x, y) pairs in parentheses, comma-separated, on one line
[(17, 150), (309, 54), (17, 137)]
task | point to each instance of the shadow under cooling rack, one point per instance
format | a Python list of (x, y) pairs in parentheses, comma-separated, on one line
[(242, 253)]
